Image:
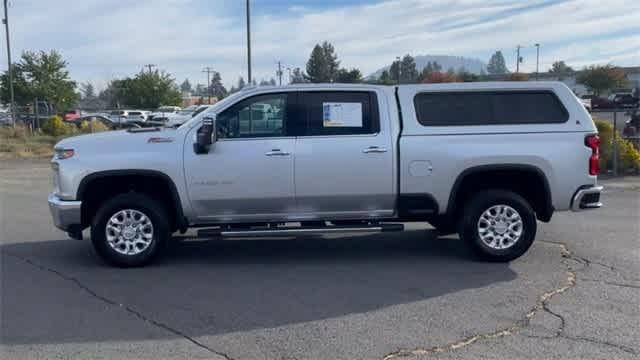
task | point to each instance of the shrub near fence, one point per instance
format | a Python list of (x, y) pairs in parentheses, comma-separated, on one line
[(628, 155)]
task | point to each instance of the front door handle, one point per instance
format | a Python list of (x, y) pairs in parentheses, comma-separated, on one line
[(374, 149), (276, 152)]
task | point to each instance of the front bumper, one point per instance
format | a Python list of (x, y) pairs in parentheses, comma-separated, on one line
[(65, 214), (587, 197)]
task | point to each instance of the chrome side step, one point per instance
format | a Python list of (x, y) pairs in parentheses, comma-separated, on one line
[(295, 230)]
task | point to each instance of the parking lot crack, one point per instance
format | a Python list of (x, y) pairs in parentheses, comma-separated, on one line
[(541, 305), (125, 307), (612, 283)]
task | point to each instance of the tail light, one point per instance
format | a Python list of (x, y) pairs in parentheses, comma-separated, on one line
[(593, 142)]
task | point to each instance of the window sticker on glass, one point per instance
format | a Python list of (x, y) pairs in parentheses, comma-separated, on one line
[(341, 114)]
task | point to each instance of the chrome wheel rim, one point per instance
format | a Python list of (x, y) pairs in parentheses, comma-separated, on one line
[(500, 227), (129, 232)]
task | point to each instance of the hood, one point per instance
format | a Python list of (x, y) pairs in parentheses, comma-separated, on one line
[(120, 141)]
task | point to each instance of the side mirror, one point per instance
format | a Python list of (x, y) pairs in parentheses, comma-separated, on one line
[(205, 136)]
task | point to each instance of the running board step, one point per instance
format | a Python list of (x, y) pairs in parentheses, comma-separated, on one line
[(295, 230)]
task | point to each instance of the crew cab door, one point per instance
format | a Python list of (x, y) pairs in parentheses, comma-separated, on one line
[(248, 173), (344, 165)]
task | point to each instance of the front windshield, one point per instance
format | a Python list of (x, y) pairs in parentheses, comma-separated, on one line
[(214, 108)]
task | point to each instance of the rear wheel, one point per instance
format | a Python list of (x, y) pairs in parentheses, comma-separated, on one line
[(498, 225), (130, 230)]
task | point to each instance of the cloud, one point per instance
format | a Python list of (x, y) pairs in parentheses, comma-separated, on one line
[(108, 39)]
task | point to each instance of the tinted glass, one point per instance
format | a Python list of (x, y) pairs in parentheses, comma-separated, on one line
[(488, 108), (341, 113), (527, 108), (449, 109), (259, 116)]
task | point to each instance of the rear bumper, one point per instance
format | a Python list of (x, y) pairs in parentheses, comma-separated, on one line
[(65, 214), (587, 197)]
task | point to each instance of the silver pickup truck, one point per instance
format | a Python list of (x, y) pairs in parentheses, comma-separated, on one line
[(484, 160)]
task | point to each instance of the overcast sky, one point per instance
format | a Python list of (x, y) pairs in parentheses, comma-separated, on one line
[(107, 39)]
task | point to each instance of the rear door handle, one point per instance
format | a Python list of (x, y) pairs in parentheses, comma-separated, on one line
[(276, 152), (374, 149)]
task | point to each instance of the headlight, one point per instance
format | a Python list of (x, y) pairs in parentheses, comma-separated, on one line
[(62, 154)]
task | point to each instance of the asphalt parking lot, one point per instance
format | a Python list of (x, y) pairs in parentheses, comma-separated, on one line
[(575, 295)]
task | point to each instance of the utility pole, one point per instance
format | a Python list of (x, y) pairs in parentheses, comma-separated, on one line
[(398, 61), (209, 71), (518, 59), (150, 67), (537, 60), (279, 73), (249, 42), (10, 67)]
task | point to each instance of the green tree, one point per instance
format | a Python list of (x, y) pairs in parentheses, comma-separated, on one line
[(560, 69), (87, 91), (385, 78), (297, 76), (599, 79), (44, 76), (317, 68), (497, 64), (217, 89), (408, 71), (186, 86), (323, 63), (349, 76), (147, 90), (272, 82), (394, 71)]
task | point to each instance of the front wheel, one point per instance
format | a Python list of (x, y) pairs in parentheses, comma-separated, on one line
[(498, 225), (130, 230)]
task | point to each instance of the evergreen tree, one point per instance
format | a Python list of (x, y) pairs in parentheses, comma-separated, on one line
[(186, 86), (216, 88), (497, 64)]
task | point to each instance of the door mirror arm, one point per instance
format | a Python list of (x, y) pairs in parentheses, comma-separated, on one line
[(206, 135)]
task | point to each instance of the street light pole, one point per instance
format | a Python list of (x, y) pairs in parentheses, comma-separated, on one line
[(518, 59), (10, 67), (248, 41), (537, 60)]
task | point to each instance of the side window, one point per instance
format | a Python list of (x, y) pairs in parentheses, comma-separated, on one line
[(341, 112), (258, 116), (451, 109), (489, 108), (527, 108)]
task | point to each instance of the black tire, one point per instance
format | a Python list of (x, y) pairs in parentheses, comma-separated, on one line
[(156, 213), (482, 201)]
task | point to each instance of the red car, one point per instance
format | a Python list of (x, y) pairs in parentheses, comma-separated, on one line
[(71, 115)]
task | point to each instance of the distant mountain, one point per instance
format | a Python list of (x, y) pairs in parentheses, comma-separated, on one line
[(456, 62)]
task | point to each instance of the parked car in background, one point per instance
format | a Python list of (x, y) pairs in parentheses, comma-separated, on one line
[(71, 115), (625, 101), (185, 115), (598, 102), (123, 116), (163, 112), (106, 121), (586, 103)]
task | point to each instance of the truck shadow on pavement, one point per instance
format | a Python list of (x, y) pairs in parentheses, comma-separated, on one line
[(58, 291)]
